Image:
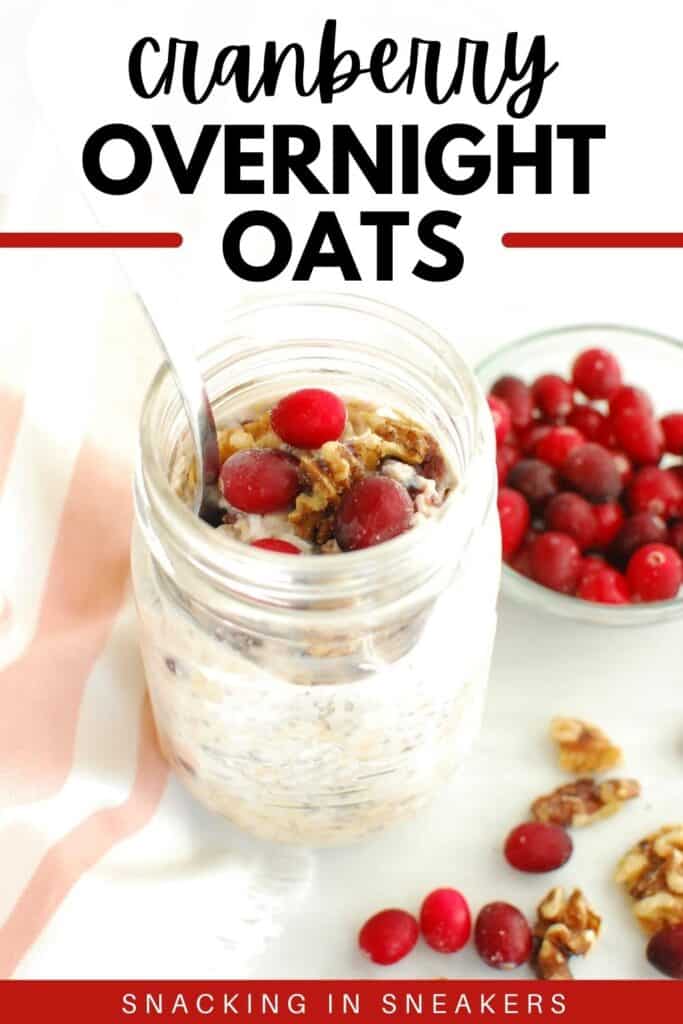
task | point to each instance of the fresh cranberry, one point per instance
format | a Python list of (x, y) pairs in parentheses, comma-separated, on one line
[(604, 585), (308, 418), (608, 519), (641, 436), (521, 561), (629, 397), (274, 544), (637, 531), (519, 399), (536, 480), (606, 436), (445, 920), (502, 936), (556, 561), (587, 420), (665, 951), (553, 396), (514, 514), (591, 564), (624, 467), (675, 537), (260, 480), (596, 373), (529, 438), (570, 513), (388, 936), (506, 457), (373, 510), (502, 420), (536, 847), (555, 446), (658, 491), (591, 470), (672, 425), (654, 573)]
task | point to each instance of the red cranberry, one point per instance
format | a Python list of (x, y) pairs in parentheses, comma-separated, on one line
[(658, 491), (535, 480), (596, 373), (502, 420), (624, 467), (506, 457), (260, 480), (537, 847), (502, 936), (274, 544), (388, 936), (521, 561), (637, 531), (665, 951), (308, 418), (641, 436), (608, 519), (629, 397), (591, 470), (675, 537), (604, 585), (373, 510), (553, 396), (654, 573), (529, 438), (587, 420), (589, 565), (514, 514), (606, 436), (518, 397), (672, 425), (570, 513), (445, 920), (556, 561), (555, 446)]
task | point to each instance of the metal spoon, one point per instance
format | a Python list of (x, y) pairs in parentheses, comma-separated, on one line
[(190, 384)]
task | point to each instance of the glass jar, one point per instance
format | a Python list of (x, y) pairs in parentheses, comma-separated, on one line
[(319, 698)]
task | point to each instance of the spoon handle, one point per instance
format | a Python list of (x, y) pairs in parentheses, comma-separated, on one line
[(185, 369)]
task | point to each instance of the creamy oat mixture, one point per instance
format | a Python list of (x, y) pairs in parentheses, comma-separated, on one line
[(375, 440)]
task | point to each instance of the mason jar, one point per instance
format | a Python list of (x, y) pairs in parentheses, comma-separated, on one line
[(319, 698)]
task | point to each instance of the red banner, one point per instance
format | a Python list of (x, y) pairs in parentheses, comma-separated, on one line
[(365, 1002)]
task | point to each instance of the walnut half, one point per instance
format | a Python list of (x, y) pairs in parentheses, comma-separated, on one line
[(584, 748), (652, 874), (584, 801), (564, 928)]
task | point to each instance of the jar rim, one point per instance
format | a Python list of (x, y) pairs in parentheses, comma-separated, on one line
[(225, 561)]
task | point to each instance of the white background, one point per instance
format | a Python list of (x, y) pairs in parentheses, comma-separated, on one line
[(189, 897)]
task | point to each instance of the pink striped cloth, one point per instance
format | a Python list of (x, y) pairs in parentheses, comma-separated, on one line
[(74, 783)]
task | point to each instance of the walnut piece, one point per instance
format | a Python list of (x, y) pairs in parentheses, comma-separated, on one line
[(564, 928), (327, 477), (584, 801), (652, 874), (584, 748)]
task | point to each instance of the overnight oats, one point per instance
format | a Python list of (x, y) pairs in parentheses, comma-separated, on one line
[(317, 661)]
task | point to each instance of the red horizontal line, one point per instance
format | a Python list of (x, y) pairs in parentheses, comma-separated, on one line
[(90, 239), (593, 239)]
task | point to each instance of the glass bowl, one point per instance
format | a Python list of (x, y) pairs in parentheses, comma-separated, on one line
[(648, 360)]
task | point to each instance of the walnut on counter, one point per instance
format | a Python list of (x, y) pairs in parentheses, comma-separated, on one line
[(652, 874), (565, 927), (584, 749), (584, 801)]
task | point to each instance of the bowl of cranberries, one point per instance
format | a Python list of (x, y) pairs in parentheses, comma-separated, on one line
[(589, 451)]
